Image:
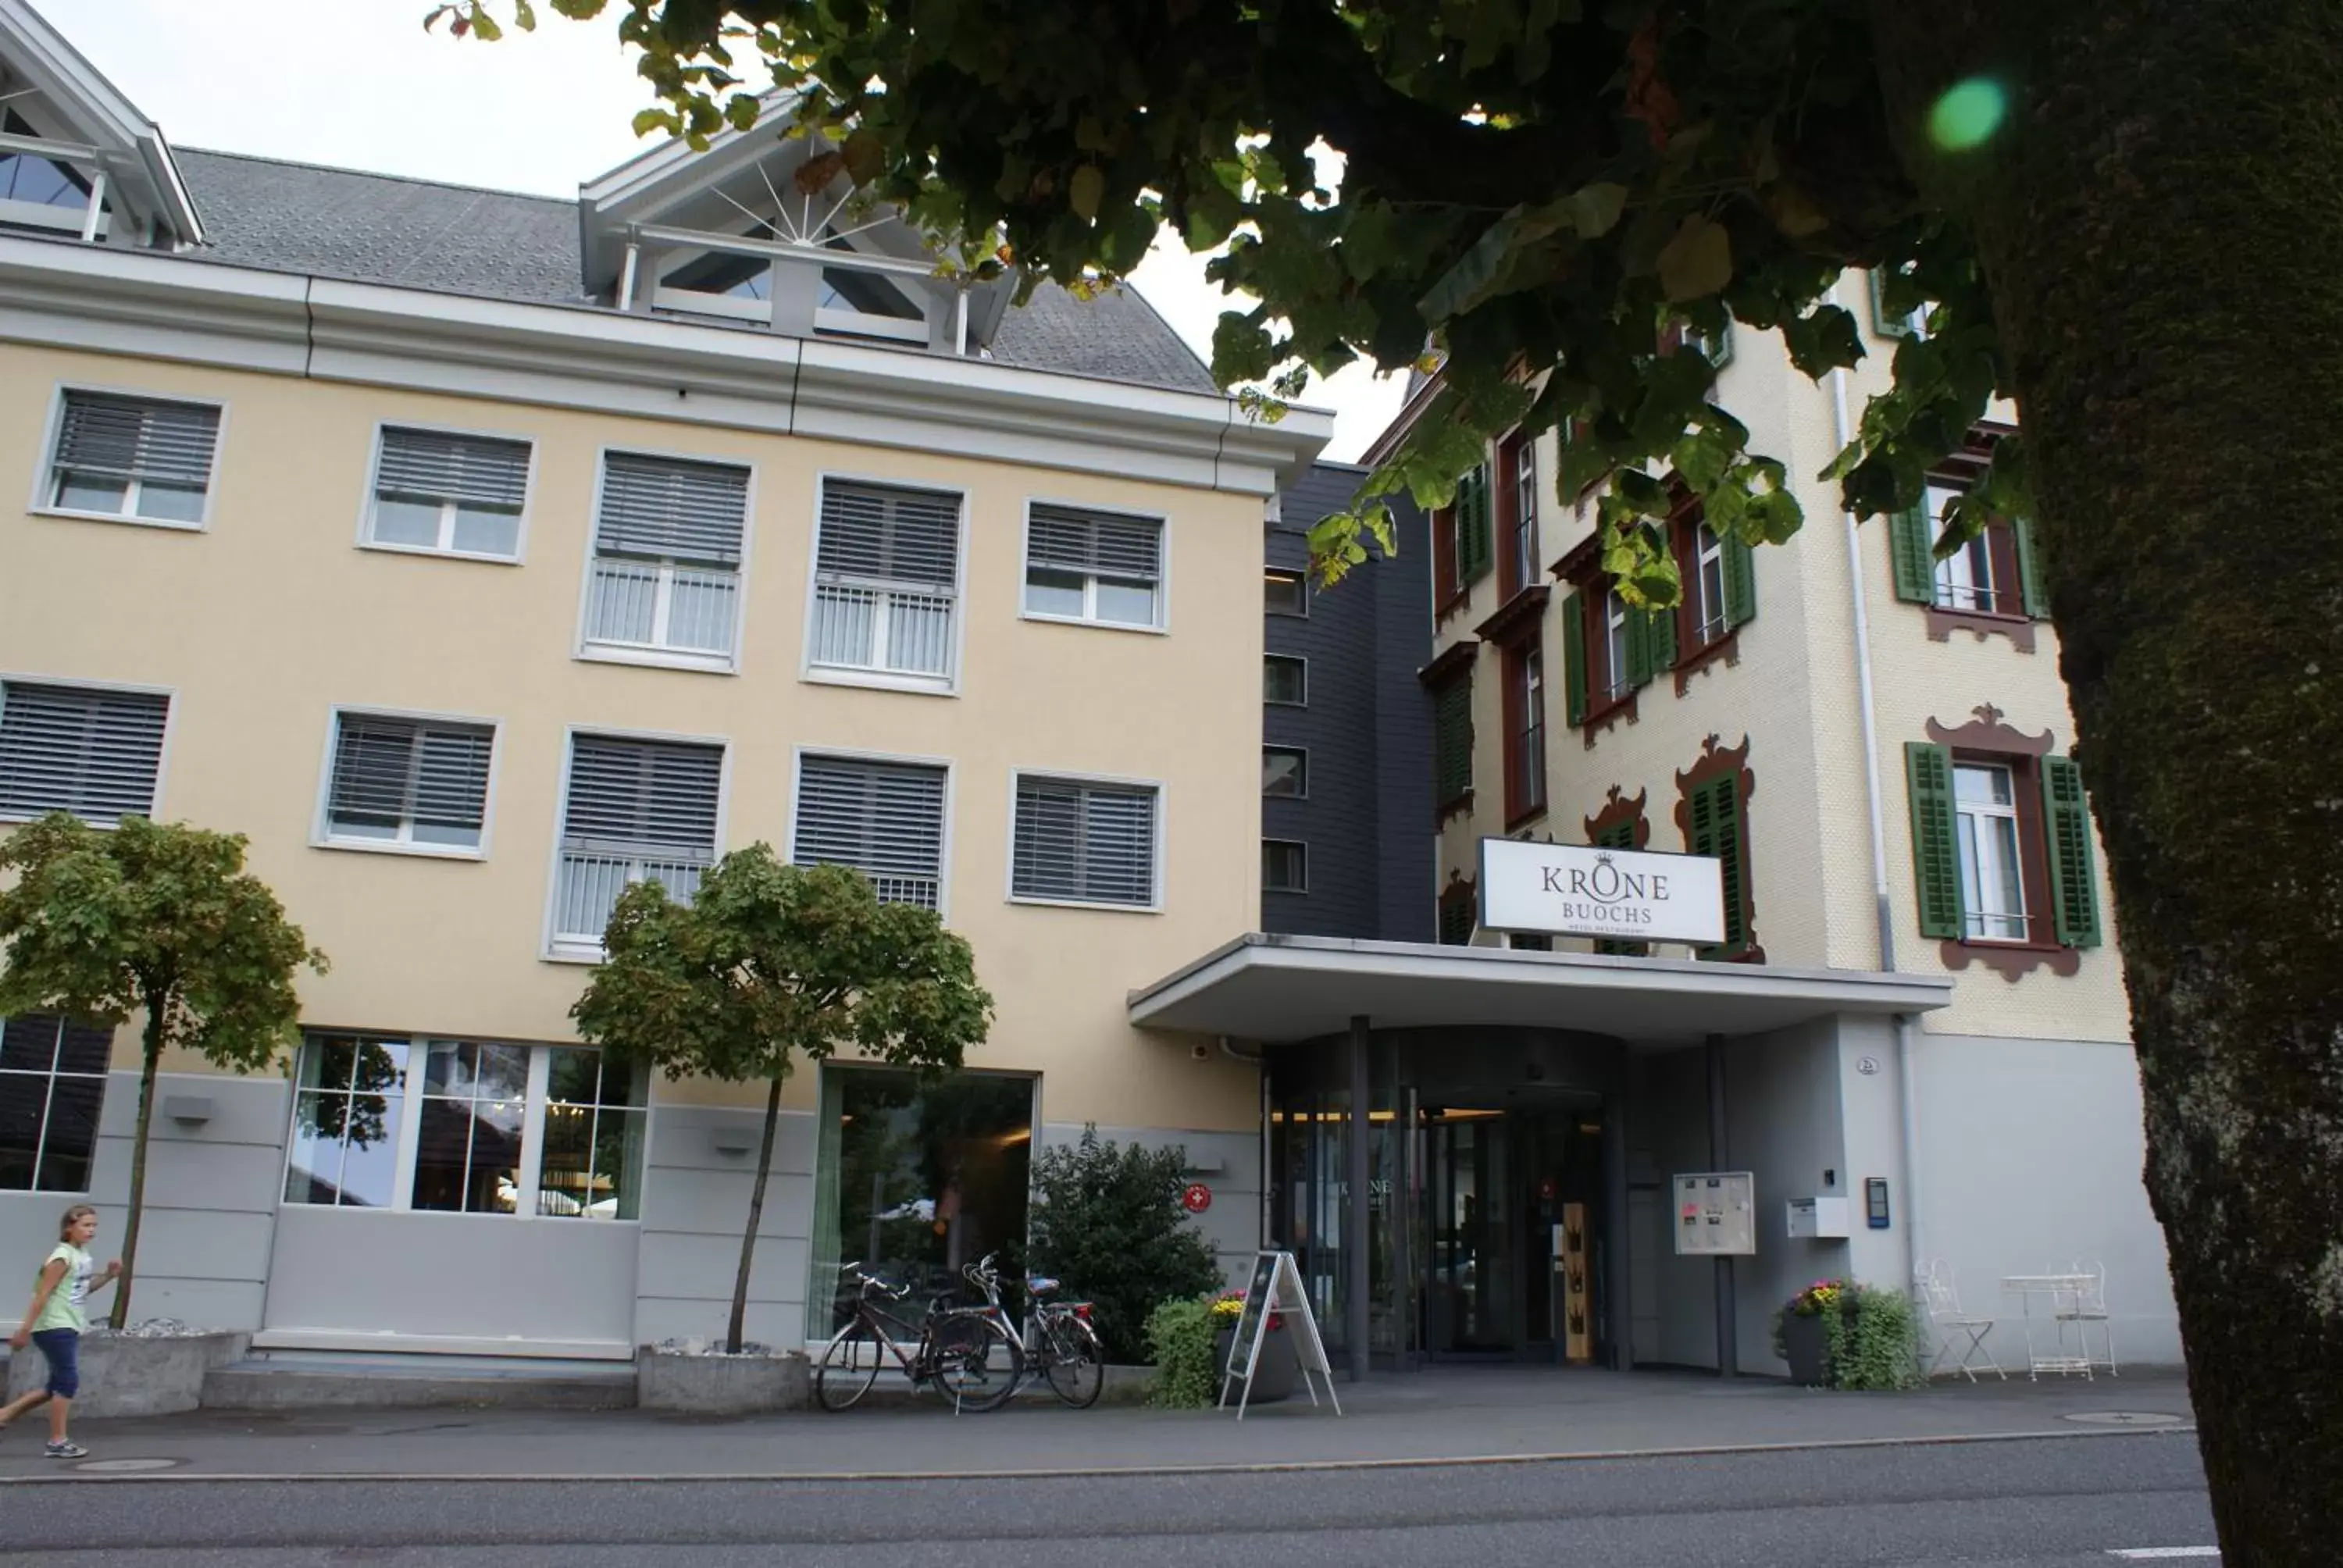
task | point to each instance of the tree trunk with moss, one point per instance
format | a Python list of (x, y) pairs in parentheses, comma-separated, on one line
[(738, 1323), (150, 1063), (2162, 223)]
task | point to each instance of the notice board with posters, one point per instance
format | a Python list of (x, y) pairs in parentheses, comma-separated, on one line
[(1715, 1214)]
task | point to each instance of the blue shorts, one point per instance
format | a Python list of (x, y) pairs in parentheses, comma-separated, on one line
[(63, 1349)]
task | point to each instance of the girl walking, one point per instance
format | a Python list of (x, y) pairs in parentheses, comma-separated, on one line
[(56, 1322)]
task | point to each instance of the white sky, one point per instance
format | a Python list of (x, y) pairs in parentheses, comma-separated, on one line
[(359, 83)]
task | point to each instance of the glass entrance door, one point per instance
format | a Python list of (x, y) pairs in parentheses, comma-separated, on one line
[(1499, 1187)]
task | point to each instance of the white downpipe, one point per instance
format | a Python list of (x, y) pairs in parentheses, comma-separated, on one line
[(1882, 912)]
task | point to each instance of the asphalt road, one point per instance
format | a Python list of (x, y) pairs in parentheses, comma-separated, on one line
[(2068, 1502)]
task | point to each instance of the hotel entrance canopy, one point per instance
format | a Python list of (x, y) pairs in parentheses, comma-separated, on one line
[(1273, 988)]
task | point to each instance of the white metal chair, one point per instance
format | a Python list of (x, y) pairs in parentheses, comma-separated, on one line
[(2088, 1305), (1954, 1330)]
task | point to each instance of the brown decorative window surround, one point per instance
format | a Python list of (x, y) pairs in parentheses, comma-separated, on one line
[(1717, 762), (1518, 618), (1515, 476), (1620, 824), (1523, 664), (1960, 470), (1987, 739), (1695, 654)]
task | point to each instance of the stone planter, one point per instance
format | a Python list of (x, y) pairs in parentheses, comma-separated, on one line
[(749, 1384), (1272, 1380), (134, 1374)]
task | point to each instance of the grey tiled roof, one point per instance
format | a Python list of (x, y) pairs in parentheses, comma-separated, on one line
[(495, 245)]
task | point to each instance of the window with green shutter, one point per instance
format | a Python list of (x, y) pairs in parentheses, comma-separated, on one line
[(1740, 583), (1716, 828), (1476, 543), (1936, 851), (1574, 658), (2066, 831), (1911, 546), (1451, 743), (1459, 915), (1620, 835)]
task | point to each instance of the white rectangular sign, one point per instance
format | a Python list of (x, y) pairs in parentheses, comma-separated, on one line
[(1716, 1214), (1578, 889)]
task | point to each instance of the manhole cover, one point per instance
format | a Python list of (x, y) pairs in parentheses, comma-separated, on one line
[(123, 1466), (2124, 1418)]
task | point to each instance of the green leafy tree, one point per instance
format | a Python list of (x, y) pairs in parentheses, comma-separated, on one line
[(770, 963), (1107, 1220), (161, 921), (2121, 213)]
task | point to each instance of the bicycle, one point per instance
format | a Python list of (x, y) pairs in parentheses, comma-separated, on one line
[(954, 1347), (1056, 1338)]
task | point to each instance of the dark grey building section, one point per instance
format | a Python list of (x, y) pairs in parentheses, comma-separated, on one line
[(1366, 822)]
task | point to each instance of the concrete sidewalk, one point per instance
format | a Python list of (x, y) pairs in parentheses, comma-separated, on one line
[(1451, 1414)]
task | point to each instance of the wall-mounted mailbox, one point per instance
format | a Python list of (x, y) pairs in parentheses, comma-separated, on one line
[(188, 1110), (1820, 1217)]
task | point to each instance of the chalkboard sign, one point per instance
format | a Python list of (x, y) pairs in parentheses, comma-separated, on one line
[(1276, 1290)]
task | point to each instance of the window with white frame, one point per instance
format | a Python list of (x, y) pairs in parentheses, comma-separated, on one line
[(1708, 587), (416, 783), (1079, 841), (91, 750), (1965, 579), (1992, 887), (467, 1127), (142, 460), (886, 581), (51, 1088), (1618, 678), (636, 811), (448, 494), (668, 542), (1093, 566), (37, 191), (886, 819)]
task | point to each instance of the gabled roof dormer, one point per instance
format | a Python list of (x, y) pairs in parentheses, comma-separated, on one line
[(765, 228), (76, 157)]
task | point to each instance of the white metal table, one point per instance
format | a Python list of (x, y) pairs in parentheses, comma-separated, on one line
[(2064, 1291)]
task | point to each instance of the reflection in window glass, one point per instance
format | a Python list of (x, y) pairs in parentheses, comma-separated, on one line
[(916, 1181), (52, 1086), (592, 1163), (346, 1110), (468, 1152), (1284, 771)]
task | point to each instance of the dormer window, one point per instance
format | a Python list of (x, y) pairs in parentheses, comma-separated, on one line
[(40, 192)]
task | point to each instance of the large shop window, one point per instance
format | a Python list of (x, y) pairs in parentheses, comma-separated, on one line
[(637, 810), (2002, 848), (668, 543), (389, 1122), (88, 749), (886, 583), (138, 459), (916, 1180), (886, 819), (52, 1087)]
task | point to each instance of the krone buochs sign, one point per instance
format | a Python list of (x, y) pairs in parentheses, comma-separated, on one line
[(1578, 889)]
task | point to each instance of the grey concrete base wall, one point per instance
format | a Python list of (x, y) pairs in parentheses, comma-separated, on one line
[(1675, 1316), (127, 1375), (1227, 1163), (211, 1200), (2030, 1153), (1783, 1124), (695, 1207)]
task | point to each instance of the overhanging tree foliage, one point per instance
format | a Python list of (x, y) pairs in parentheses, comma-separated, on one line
[(164, 921), (2125, 215), (770, 963)]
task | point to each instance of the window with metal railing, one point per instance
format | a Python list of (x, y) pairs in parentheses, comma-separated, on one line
[(668, 537), (886, 819), (635, 810), (886, 590)]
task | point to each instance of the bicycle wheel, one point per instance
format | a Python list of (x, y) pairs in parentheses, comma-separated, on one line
[(1076, 1362), (977, 1360), (849, 1365)]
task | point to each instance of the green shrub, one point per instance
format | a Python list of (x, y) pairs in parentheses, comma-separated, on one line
[(1182, 1337), (1107, 1220), (1879, 1347)]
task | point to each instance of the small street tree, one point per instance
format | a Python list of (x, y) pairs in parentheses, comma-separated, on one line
[(1107, 1220), (158, 919), (768, 963)]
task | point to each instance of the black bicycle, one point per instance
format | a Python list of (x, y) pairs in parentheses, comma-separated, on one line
[(968, 1352), (1055, 1339)]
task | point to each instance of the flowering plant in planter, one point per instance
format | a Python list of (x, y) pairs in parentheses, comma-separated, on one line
[(1822, 1296), (1843, 1334)]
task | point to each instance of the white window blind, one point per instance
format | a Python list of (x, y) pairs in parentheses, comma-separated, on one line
[(87, 751), (134, 456), (1092, 843), (441, 490), (409, 782), (885, 820), (886, 577), (1093, 566), (667, 554), (637, 810)]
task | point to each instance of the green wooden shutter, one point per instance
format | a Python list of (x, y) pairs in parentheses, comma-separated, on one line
[(1574, 658), (1639, 650), (2029, 576), (2067, 823), (1457, 919), (1660, 635), (1619, 836), (1452, 741), (1935, 852), (1715, 811), (1475, 546), (1914, 552), (1740, 583)]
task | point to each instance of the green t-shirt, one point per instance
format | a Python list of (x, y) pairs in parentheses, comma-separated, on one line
[(63, 1309)]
